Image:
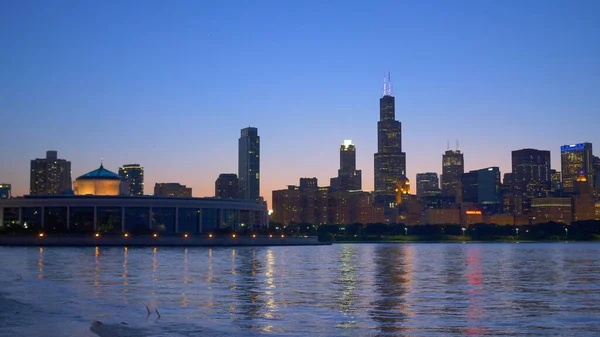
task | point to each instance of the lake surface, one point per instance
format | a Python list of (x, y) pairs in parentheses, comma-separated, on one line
[(508, 289)]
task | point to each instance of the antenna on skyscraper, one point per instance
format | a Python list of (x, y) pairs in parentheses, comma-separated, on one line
[(457, 145), (389, 83), (384, 86), (448, 145)]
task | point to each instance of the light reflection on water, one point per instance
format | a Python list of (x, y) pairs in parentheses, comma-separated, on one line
[(342, 290)]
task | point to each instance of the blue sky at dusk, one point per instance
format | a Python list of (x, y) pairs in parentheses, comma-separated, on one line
[(169, 84)]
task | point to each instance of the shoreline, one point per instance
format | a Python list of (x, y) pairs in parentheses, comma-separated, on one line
[(176, 241)]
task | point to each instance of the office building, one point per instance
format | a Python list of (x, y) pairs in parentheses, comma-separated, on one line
[(249, 164), (531, 173), (50, 175), (482, 187), (576, 159), (309, 183), (134, 175), (226, 186), (390, 161), (348, 179), (5, 190), (453, 167), (101, 182), (428, 185), (172, 190)]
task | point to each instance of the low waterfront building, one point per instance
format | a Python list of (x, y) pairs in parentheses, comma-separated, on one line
[(551, 209), (443, 216), (123, 214)]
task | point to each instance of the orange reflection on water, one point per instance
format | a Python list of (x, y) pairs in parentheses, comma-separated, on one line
[(41, 264), (97, 269)]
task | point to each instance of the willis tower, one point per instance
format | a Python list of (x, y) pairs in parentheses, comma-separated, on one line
[(390, 161)]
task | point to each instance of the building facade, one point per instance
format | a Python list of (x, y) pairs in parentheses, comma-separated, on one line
[(551, 209), (453, 167), (428, 185), (249, 164), (226, 186), (576, 159), (134, 175), (482, 187), (5, 191), (531, 173), (129, 214), (390, 161), (50, 175), (172, 190), (349, 178)]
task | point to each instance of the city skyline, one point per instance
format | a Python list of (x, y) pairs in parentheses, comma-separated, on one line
[(517, 89)]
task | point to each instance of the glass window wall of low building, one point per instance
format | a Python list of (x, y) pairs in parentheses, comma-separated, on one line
[(81, 220), (137, 220), (163, 219), (55, 219), (189, 220), (108, 219)]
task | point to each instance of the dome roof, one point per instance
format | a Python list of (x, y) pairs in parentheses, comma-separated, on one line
[(100, 174)]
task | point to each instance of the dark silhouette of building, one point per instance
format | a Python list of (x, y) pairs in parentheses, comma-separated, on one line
[(226, 186), (428, 185), (576, 159), (5, 190), (453, 167), (390, 161), (50, 175), (531, 172), (555, 181), (348, 179), (134, 175), (596, 164), (172, 190), (482, 187), (249, 164)]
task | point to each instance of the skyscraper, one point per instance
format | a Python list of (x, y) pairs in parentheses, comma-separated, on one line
[(556, 181), (531, 173), (428, 184), (453, 167), (134, 175), (390, 161), (482, 186), (576, 159), (348, 179), (226, 186), (50, 175), (249, 164), (5, 191), (596, 164)]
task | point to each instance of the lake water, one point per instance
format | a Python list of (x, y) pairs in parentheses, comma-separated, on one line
[(545, 289)]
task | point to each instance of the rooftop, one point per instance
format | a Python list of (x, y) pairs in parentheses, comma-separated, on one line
[(100, 174)]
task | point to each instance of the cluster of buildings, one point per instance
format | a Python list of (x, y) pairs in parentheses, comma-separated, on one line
[(105, 201), (532, 193)]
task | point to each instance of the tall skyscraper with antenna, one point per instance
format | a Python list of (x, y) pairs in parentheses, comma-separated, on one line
[(390, 161)]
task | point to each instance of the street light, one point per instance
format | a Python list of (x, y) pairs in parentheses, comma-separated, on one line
[(463, 230), (517, 229), (405, 231), (566, 233)]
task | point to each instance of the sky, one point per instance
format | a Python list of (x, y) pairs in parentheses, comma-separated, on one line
[(169, 84)]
